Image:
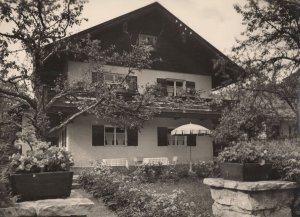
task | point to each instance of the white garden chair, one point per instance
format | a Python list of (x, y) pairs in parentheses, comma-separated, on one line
[(116, 162), (156, 161)]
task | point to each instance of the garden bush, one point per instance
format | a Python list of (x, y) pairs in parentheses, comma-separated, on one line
[(5, 197), (125, 195), (284, 155), (154, 173), (285, 158), (5, 151), (206, 169)]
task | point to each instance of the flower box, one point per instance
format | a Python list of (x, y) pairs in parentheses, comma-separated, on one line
[(245, 171), (44, 185)]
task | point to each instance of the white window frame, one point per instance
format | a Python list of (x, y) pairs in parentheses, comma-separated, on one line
[(174, 85), (115, 80), (114, 136), (176, 138)]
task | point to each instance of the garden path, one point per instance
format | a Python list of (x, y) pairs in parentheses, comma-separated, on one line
[(99, 210)]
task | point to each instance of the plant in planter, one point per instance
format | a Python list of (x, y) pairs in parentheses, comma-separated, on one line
[(42, 173), (245, 161)]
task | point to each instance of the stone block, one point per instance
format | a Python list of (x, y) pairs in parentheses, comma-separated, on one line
[(75, 205), (220, 210), (252, 199), (259, 200), (250, 186), (17, 211)]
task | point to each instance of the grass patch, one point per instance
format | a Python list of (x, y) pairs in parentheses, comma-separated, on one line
[(195, 190)]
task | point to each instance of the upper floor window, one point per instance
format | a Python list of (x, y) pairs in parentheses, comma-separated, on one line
[(130, 82), (147, 40), (173, 87)]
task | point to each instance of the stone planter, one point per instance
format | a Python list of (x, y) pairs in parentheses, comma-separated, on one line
[(251, 199), (35, 186), (245, 172)]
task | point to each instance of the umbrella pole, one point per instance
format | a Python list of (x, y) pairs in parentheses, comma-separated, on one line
[(191, 169)]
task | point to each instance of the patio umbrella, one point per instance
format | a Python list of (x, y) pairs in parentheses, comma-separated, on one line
[(190, 130)]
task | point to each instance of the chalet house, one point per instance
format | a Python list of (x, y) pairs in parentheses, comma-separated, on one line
[(187, 64)]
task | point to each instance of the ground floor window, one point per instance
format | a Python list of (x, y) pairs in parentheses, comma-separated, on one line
[(164, 138), (114, 135), (176, 140), (62, 140)]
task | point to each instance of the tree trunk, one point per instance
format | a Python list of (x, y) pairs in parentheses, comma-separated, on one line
[(298, 114)]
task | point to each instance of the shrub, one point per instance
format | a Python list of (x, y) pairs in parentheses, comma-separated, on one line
[(285, 158), (125, 195), (5, 196), (182, 170), (245, 152), (205, 169), (5, 151), (153, 173), (42, 158), (284, 155)]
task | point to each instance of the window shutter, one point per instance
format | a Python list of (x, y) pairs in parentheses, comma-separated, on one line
[(132, 137), (162, 136), (190, 87), (132, 83), (191, 140), (163, 87), (97, 135), (94, 77)]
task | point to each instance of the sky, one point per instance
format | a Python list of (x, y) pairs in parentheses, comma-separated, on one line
[(215, 20)]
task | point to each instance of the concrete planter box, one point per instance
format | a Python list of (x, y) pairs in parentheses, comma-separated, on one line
[(245, 172), (35, 186)]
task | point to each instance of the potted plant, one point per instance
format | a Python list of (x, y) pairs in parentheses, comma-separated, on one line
[(42, 173), (245, 161)]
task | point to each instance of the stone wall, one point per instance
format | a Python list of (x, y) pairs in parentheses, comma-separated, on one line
[(296, 204), (253, 199)]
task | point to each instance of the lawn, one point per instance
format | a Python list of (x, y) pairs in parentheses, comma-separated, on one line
[(195, 190)]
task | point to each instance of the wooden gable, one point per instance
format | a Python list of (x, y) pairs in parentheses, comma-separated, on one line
[(178, 48)]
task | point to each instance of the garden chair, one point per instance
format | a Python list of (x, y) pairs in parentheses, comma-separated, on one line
[(174, 160), (138, 161), (156, 161), (116, 162)]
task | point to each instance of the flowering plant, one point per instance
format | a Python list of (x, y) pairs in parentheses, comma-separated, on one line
[(245, 152), (42, 158)]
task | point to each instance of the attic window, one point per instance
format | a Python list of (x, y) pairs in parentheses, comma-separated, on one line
[(147, 40)]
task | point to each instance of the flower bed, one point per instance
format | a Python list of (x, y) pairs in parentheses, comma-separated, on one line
[(128, 195)]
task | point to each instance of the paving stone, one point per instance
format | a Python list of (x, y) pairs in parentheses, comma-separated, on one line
[(75, 205)]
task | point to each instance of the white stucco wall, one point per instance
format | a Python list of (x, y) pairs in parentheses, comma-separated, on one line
[(78, 71), (79, 139)]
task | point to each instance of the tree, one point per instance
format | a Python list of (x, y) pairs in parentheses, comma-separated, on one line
[(39, 31), (268, 52)]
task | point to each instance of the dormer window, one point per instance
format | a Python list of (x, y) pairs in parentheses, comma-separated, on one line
[(147, 40)]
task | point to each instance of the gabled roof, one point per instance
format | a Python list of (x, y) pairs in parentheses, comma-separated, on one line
[(98, 29)]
